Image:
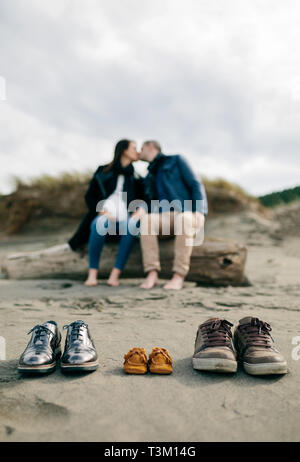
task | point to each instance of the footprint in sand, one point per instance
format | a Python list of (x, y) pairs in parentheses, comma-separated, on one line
[(6, 431), (32, 410), (83, 304), (8, 373)]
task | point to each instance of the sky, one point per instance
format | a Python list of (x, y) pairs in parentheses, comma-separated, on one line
[(217, 81)]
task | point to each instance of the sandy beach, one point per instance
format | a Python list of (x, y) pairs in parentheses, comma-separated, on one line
[(109, 406)]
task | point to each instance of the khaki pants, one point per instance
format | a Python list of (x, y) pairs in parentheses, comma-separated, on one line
[(182, 225)]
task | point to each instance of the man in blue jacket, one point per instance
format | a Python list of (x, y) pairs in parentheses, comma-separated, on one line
[(177, 205)]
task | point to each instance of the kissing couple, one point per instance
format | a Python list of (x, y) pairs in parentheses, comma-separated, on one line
[(169, 200)]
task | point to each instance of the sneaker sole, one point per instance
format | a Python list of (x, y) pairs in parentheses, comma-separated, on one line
[(88, 367), (265, 368), (214, 365)]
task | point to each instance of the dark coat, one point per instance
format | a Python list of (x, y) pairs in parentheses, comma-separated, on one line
[(101, 186), (179, 182)]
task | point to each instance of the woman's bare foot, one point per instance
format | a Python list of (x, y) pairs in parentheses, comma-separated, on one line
[(92, 278), (150, 281), (175, 283), (113, 279)]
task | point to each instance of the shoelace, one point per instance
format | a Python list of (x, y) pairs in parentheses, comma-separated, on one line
[(76, 329), (163, 352), (257, 333), (135, 351), (40, 330), (217, 333)]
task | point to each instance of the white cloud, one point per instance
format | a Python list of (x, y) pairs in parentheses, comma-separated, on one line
[(216, 81)]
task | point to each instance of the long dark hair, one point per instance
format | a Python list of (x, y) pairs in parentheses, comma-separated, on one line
[(121, 146)]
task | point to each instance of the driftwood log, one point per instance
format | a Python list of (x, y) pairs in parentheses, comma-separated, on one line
[(215, 262)]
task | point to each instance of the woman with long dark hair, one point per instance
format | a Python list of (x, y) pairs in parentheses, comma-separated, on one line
[(108, 211)]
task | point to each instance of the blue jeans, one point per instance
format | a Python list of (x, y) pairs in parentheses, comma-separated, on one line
[(101, 227)]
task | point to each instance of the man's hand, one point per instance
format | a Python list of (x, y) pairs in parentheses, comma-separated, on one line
[(200, 219)]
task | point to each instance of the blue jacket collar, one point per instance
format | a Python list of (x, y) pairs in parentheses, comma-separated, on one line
[(168, 161)]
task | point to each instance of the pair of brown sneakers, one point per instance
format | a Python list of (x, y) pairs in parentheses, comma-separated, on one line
[(159, 362), (217, 350)]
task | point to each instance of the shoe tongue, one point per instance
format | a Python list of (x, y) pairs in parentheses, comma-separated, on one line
[(51, 325), (245, 320), (76, 325), (208, 321)]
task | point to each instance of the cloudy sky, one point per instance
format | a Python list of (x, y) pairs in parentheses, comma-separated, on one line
[(215, 80)]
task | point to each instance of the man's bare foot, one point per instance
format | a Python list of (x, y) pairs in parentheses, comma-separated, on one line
[(150, 281), (92, 280), (113, 279), (175, 283)]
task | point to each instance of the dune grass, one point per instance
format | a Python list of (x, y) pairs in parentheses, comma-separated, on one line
[(64, 181), (227, 186)]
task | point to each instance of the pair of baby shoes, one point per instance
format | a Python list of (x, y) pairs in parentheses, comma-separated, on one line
[(159, 362)]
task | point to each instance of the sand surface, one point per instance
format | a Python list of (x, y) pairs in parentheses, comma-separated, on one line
[(108, 405)]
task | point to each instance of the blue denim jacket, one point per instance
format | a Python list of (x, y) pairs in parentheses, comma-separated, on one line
[(179, 182)]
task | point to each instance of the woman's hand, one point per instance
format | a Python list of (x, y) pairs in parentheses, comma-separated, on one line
[(108, 215), (200, 219), (138, 214)]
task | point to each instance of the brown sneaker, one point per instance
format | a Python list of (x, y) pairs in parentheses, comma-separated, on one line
[(136, 361), (160, 361), (213, 347), (254, 346)]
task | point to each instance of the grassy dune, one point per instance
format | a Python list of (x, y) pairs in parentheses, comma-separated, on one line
[(61, 198)]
